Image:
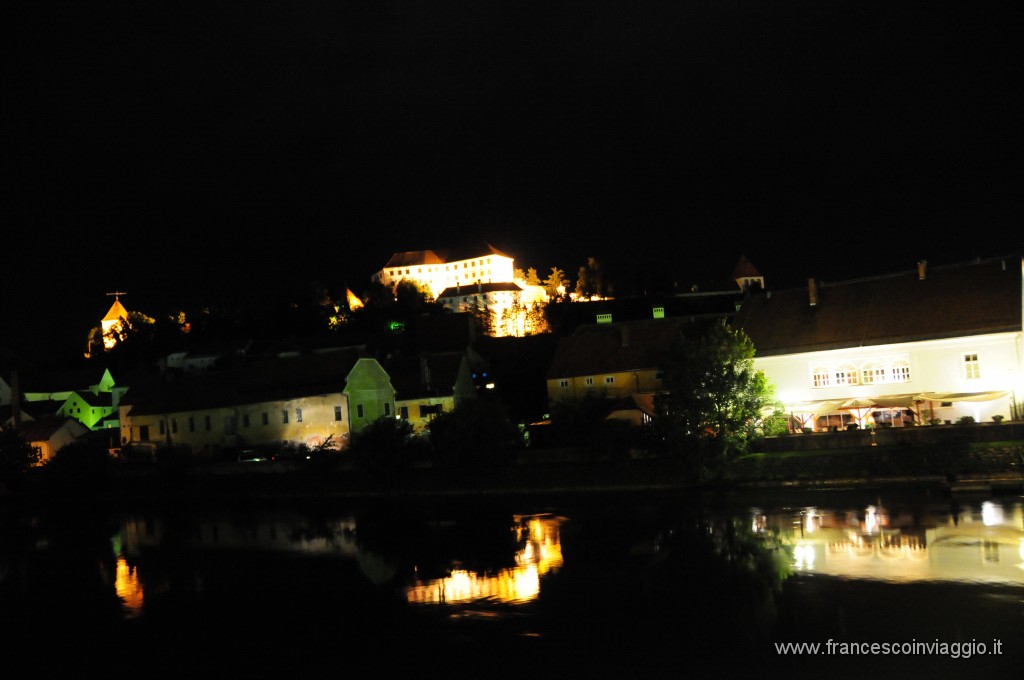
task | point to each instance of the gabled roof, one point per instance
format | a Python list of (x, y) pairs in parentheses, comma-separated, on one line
[(744, 269), (116, 311), (253, 383), (975, 298), (480, 288), (428, 375), (615, 347), (43, 429)]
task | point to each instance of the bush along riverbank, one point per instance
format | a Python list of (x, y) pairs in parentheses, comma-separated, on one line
[(994, 463)]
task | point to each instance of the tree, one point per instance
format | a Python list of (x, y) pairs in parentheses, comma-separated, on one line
[(477, 432), (386, 448), (556, 284), (16, 454), (713, 395), (531, 277)]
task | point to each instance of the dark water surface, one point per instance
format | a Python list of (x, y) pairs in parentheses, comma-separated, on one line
[(602, 586)]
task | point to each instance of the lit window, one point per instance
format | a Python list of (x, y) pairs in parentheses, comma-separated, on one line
[(901, 372), (298, 415), (846, 375), (972, 370), (873, 374), (820, 377)]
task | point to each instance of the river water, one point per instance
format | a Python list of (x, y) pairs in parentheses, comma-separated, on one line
[(606, 586)]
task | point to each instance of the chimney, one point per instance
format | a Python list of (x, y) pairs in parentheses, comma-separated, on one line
[(922, 265), (812, 291)]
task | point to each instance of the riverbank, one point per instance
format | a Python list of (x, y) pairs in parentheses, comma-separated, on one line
[(996, 467)]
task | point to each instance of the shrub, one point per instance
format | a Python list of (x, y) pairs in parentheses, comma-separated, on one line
[(966, 420)]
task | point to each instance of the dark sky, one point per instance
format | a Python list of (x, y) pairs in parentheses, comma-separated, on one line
[(188, 147)]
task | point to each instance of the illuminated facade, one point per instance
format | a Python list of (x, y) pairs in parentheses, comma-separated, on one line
[(302, 400), (430, 384), (436, 270), (929, 346), (515, 309), (612, 360)]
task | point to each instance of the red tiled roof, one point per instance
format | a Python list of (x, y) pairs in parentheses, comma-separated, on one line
[(951, 301), (614, 347)]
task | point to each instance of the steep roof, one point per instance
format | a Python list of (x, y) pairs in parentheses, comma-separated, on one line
[(428, 375), (614, 347), (744, 269), (974, 298), (116, 311)]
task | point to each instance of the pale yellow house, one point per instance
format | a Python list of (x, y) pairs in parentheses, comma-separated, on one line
[(430, 384), (290, 401)]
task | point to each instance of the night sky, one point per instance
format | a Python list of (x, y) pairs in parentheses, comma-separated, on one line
[(181, 148)]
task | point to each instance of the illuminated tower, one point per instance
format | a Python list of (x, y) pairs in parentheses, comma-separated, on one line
[(113, 320)]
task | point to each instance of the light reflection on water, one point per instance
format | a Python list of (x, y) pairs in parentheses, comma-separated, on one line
[(976, 543)]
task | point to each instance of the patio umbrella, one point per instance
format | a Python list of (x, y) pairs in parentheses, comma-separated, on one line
[(859, 408)]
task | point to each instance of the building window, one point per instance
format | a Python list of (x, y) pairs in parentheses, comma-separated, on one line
[(144, 433), (174, 425), (846, 375), (901, 372), (284, 415), (609, 380), (820, 377), (245, 420), (403, 412), (972, 370), (873, 374), (359, 410), (266, 418), (337, 413), (387, 409), (162, 427), (589, 381), (206, 421), (191, 424), (563, 383), (298, 415)]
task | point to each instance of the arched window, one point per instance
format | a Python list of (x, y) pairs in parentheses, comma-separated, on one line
[(846, 375), (873, 373), (820, 376), (900, 371)]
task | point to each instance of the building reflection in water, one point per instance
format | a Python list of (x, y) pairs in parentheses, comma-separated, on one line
[(983, 543), (129, 588), (541, 553)]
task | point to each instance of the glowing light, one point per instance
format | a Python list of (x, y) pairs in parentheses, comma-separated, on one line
[(128, 588), (991, 514), (870, 520), (354, 303), (803, 556)]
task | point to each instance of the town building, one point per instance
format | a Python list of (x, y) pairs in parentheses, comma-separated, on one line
[(933, 344)]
